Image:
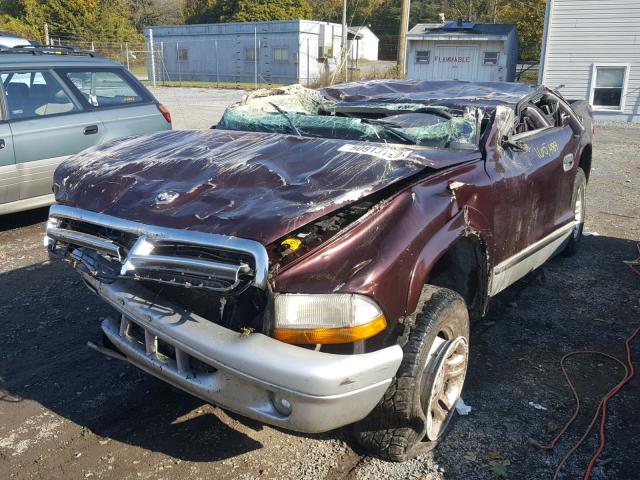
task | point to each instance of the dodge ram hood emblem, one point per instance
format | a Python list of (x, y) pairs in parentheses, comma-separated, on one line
[(166, 197)]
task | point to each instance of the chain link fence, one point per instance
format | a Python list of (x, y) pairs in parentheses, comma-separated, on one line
[(133, 55), (231, 63)]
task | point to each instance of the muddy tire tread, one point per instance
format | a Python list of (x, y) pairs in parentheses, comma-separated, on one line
[(390, 430)]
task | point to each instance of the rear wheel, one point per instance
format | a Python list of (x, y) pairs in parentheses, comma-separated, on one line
[(415, 412), (578, 206)]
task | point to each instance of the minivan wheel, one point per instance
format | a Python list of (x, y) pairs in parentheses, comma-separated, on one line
[(415, 412)]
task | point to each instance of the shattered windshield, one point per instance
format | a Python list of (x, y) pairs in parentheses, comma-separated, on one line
[(297, 110)]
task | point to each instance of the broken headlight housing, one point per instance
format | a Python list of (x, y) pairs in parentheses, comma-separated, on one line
[(302, 318)]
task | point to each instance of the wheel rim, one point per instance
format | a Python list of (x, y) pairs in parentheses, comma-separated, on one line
[(578, 213), (447, 367)]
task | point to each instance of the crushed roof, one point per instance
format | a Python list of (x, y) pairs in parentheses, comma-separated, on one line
[(449, 92)]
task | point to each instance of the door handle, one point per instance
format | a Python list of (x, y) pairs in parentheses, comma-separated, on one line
[(2, 144), (91, 130)]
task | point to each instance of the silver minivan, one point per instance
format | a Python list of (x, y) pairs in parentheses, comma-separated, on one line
[(55, 102)]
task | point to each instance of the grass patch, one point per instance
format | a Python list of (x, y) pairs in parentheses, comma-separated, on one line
[(332, 78), (229, 85)]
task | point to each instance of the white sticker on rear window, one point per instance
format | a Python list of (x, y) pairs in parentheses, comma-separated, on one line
[(385, 153)]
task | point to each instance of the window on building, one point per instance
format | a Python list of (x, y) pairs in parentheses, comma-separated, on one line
[(608, 86), (423, 56), (491, 58), (250, 54), (183, 54), (280, 54)]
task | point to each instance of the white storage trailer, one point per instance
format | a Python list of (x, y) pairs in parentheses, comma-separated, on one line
[(279, 52), (462, 51)]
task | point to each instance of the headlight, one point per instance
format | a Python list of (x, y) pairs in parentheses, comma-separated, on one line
[(326, 318)]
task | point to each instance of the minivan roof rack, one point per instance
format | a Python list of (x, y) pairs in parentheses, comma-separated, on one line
[(39, 49)]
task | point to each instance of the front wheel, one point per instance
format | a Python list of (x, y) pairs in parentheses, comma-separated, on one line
[(418, 406), (579, 209)]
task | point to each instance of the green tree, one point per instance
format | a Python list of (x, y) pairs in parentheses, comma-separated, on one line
[(98, 20), (113, 22), (528, 15), (200, 11), (23, 17), (72, 19), (19, 27), (155, 12), (266, 10), (214, 11)]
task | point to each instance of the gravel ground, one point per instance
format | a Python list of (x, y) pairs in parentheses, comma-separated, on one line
[(67, 412), (195, 108)]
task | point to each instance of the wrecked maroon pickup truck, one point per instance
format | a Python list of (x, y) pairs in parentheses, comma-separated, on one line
[(314, 260)]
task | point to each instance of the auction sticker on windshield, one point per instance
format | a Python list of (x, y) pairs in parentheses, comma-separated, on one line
[(385, 153)]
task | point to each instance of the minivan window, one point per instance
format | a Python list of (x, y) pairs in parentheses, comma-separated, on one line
[(104, 88), (34, 94)]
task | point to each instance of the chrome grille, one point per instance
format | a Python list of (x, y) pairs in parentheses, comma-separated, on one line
[(108, 246)]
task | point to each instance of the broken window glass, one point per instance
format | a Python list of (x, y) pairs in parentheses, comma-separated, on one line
[(311, 114)]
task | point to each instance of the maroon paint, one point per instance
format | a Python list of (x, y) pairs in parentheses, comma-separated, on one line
[(508, 199), (251, 185)]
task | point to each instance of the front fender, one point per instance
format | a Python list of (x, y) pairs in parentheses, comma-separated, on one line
[(468, 221)]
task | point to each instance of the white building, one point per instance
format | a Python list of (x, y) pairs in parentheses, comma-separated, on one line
[(363, 43), (591, 51), (462, 51), (279, 52)]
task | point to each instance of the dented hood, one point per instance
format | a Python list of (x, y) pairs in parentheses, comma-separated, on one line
[(251, 185)]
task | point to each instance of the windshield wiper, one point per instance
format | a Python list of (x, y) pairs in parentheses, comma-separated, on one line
[(285, 115), (391, 128)]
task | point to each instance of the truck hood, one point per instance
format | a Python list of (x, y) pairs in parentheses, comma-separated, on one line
[(251, 185)]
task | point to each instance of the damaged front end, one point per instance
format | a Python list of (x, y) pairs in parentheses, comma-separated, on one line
[(216, 348), (252, 264), (171, 263)]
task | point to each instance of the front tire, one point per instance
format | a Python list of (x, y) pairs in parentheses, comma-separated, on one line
[(414, 414), (578, 205)]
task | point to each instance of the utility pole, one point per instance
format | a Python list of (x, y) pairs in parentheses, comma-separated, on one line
[(255, 58), (46, 34), (343, 57), (402, 38), (153, 60)]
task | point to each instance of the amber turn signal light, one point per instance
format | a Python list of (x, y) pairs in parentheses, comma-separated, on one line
[(326, 336)]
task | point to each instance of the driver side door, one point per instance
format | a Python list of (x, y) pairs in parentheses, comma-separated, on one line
[(531, 180)]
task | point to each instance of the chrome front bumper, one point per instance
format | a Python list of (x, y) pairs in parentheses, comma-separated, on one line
[(314, 391)]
